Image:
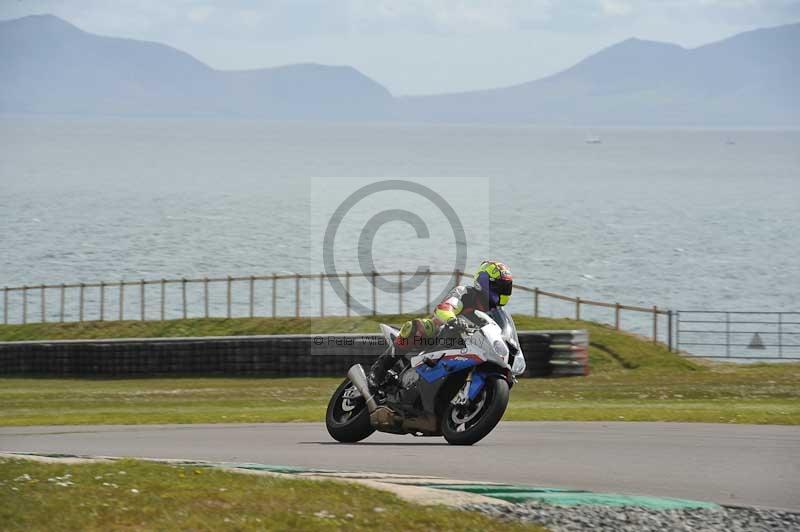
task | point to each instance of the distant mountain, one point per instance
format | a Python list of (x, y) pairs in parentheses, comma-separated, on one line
[(49, 66), (749, 79)]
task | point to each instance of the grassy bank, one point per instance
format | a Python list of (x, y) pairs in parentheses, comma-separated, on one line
[(135, 495), (632, 379)]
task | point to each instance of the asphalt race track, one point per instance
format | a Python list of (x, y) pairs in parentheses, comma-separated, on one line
[(729, 464)]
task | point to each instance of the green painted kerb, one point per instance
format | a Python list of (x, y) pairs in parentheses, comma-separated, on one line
[(270, 468), (564, 497)]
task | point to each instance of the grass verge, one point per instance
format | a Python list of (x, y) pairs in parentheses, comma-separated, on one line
[(751, 394), (137, 495)]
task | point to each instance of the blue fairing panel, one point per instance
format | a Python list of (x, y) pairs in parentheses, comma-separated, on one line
[(446, 366), (479, 380), (475, 387)]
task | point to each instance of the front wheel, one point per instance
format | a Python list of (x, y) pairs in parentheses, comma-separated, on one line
[(347, 417), (470, 423)]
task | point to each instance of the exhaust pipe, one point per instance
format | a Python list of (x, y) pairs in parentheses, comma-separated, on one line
[(359, 379)]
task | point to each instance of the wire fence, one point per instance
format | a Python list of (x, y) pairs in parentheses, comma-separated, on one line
[(739, 335), (294, 294)]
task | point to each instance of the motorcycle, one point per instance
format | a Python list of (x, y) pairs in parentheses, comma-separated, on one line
[(458, 387)]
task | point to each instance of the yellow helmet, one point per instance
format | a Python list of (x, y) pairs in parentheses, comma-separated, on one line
[(494, 279)]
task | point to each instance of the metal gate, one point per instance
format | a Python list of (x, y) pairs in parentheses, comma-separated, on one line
[(743, 335)]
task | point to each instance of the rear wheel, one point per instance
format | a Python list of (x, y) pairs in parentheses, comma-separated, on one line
[(347, 417), (470, 423)]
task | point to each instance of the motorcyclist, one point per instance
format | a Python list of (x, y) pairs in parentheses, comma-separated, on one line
[(491, 288)]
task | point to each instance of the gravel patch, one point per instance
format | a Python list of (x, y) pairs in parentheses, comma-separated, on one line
[(635, 519)]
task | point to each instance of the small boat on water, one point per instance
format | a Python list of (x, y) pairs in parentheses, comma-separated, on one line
[(593, 139)]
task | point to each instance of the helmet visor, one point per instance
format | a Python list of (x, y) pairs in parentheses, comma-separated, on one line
[(504, 286)]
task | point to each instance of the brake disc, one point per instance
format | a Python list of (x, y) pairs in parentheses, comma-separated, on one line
[(347, 399), (461, 415)]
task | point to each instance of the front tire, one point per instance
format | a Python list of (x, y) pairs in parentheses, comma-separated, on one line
[(346, 419), (469, 424)]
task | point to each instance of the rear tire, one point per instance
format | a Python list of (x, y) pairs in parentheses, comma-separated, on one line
[(347, 426), (490, 412)]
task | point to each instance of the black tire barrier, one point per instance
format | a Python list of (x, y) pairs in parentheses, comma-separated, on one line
[(536, 347), (569, 353), (271, 356)]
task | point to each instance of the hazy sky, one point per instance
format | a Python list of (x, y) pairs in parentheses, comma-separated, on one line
[(412, 46)]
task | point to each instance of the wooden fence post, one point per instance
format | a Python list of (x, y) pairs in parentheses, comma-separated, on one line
[(102, 300), (400, 292), (655, 324), (24, 304), (347, 289), (61, 304), (43, 305), (274, 294), (297, 295), (183, 297), (669, 330), (374, 293), (252, 295), (727, 334), (616, 316), (428, 288), (80, 303), (141, 300), (321, 295), (228, 313), (577, 309), (536, 302), (162, 310), (121, 300), (205, 296)]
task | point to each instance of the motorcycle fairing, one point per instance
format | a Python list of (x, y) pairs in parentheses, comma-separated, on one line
[(486, 352), (429, 391), (509, 333), (451, 361), (448, 362), (477, 384), (479, 377)]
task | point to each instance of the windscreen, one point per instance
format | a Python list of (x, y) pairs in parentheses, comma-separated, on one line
[(509, 331), (506, 323)]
